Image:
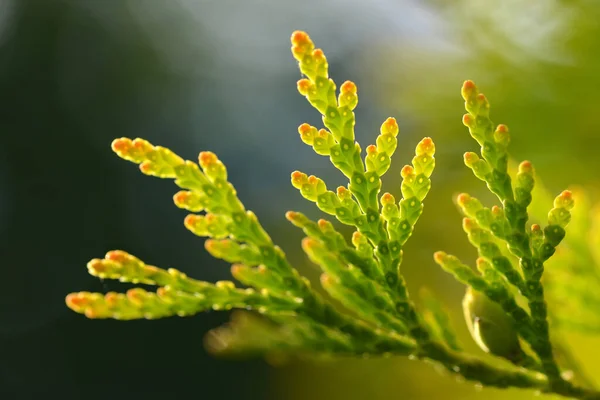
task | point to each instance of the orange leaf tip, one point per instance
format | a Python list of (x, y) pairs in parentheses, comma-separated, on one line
[(304, 85), (121, 145), (390, 126), (191, 219), (298, 178), (116, 255), (426, 146), (468, 89), (300, 38), (181, 197), (309, 243), (535, 228), (96, 265), (502, 128), (462, 199), (318, 55), (146, 166), (439, 257), (290, 215), (470, 158), (304, 129), (323, 224), (372, 149), (76, 300), (467, 120), (525, 167), (342, 192), (348, 87), (387, 198), (566, 195), (407, 171), (468, 224), (207, 158)]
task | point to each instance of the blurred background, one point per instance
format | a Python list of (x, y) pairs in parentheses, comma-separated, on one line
[(197, 75)]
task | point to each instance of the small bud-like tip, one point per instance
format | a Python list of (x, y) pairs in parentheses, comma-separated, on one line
[(390, 126), (372, 149), (502, 128), (181, 197), (304, 129), (439, 257), (462, 199), (342, 191), (566, 195), (426, 146), (470, 158), (406, 171), (116, 255), (207, 158), (468, 224), (525, 167), (348, 87), (304, 86), (387, 198), (299, 38), (468, 85), (309, 243), (291, 215), (467, 120), (75, 300), (121, 145), (468, 89), (146, 166), (298, 178), (190, 220)]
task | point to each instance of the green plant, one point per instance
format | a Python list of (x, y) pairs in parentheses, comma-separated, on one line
[(505, 305)]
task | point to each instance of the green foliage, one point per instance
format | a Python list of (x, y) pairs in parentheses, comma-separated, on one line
[(368, 309)]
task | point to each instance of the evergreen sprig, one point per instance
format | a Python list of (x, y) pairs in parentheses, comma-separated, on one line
[(368, 309)]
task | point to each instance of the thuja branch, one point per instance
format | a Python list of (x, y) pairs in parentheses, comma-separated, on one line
[(368, 309)]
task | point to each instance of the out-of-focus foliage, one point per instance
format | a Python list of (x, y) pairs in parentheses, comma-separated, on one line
[(538, 61)]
